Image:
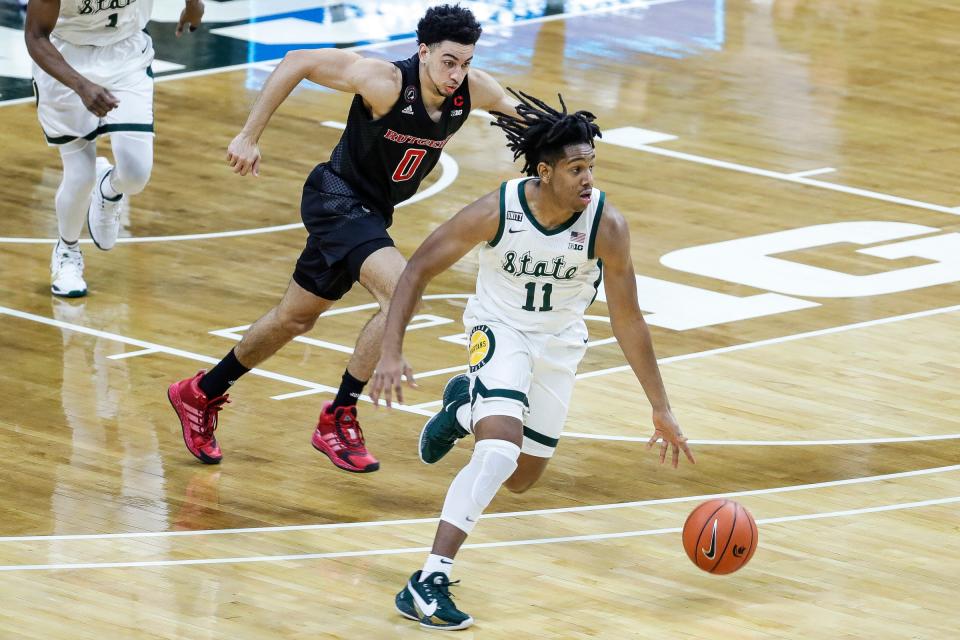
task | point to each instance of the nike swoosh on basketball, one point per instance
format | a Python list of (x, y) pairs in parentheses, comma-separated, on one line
[(713, 543), (426, 608)]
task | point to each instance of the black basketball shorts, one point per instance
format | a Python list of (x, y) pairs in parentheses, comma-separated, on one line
[(344, 232)]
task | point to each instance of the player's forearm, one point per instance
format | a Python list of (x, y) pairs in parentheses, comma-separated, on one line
[(637, 345), (288, 74), (49, 59)]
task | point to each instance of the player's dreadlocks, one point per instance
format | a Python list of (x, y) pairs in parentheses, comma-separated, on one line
[(541, 132)]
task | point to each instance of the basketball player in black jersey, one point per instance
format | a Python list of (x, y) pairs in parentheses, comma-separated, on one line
[(402, 115)]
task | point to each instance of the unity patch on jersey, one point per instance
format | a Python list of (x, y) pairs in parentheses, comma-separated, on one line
[(482, 345)]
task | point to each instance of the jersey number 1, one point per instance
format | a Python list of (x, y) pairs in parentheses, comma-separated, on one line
[(112, 20), (531, 294), (408, 164)]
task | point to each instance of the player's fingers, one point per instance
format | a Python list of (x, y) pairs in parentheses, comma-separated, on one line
[(676, 456), (663, 451), (256, 166), (408, 373), (653, 439), (687, 452), (399, 389)]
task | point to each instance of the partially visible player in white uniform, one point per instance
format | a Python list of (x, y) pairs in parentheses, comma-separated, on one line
[(92, 76), (547, 240)]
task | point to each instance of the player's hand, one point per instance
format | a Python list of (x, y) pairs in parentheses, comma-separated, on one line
[(667, 430), (388, 378), (190, 16), (243, 155), (97, 99)]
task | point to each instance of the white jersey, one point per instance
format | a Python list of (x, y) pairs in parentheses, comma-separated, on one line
[(535, 279), (101, 22)]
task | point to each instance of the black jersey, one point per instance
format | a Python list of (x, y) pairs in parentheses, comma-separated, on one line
[(385, 160)]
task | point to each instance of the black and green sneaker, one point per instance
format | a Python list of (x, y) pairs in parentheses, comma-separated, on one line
[(433, 603), (442, 431), (404, 601)]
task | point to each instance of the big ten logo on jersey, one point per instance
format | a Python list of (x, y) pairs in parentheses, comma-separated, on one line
[(86, 7), (525, 266), (457, 102), (577, 240), (482, 344)]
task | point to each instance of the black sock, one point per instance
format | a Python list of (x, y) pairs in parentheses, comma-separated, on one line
[(350, 390), (216, 381)]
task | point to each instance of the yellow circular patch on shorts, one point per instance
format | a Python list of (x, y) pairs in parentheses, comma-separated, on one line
[(481, 346)]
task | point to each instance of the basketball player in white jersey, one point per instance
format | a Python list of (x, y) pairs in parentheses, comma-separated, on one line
[(547, 241), (92, 76)]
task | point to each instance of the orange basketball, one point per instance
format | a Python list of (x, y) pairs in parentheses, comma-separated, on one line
[(720, 536)]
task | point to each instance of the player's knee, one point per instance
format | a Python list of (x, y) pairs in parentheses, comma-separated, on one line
[(493, 461), (132, 177), (134, 161), (294, 324), (519, 484), (498, 461)]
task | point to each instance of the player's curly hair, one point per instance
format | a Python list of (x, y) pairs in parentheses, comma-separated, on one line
[(448, 22), (541, 132)]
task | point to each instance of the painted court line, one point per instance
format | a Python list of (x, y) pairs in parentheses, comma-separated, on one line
[(489, 516), (781, 339), (774, 443), (481, 545), (812, 172), (189, 355), (624, 137)]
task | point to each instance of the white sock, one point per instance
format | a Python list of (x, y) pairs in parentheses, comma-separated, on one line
[(436, 563), (464, 415)]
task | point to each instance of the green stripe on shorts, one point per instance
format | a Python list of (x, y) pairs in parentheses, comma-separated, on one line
[(510, 394), (538, 437)]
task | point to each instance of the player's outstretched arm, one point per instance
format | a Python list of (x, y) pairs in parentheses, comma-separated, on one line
[(477, 222), (633, 335), (486, 93), (41, 19), (377, 81), (191, 16)]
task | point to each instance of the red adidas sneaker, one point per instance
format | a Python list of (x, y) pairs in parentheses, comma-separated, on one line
[(198, 418), (338, 435)]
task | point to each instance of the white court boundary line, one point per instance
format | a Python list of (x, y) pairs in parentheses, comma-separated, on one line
[(450, 170), (189, 355), (418, 410), (489, 516), (781, 339), (776, 443), (478, 545)]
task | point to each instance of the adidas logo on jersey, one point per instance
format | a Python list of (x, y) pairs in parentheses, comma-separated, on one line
[(408, 110)]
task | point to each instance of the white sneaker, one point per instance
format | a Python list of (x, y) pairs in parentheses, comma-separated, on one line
[(103, 217), (66, 272)]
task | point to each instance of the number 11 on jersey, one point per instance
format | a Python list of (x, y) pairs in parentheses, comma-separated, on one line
[(531, 288)]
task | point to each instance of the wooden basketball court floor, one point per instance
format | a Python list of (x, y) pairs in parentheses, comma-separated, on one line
[(795, 235)]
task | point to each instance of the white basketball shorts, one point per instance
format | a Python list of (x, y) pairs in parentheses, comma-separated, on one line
[(528, 376), (123, 68)]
